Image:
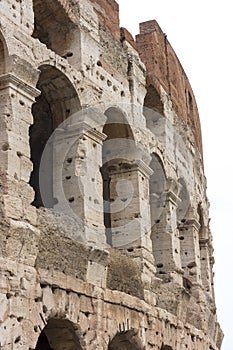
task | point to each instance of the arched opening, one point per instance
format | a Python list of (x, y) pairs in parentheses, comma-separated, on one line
[(166, 347), (2, 57), (54, 28), (157, 186), (127, 340), (154, 112), (58, 100), (153, 100), (58, 335), (116, 154)]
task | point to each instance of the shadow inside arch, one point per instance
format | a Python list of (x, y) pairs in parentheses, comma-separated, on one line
[(3, 55), (58, 334), (128, 340)]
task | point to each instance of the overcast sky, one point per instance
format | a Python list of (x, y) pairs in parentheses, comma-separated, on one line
[(200, 32)]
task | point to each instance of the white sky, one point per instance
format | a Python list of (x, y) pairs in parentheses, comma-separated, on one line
[(200, 32)]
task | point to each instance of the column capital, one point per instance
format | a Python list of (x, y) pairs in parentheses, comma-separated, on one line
[(19, 85), (73, 132), (191, 223)]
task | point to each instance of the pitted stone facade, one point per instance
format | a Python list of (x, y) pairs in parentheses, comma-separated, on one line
[(105, 239)]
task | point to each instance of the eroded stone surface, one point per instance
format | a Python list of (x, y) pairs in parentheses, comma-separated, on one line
[(140, 275)]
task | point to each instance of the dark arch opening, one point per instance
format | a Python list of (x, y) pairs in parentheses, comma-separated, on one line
[(153, 100), (58, 334), (117, 130), (166, 347), (127, 340), (2, 57), (58, 100), (54, 28), (153, 111)]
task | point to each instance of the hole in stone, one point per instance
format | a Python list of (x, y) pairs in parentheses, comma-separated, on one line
[(17, 339), (37, 300), (159, 265), (122, 93), (130, 250), (21, 102), (8, 295), (19, 154), (69, 54), (99, 64), (69, 160), (71, 199), (68, 177), (181, 238), (5, 146), (45, 309)]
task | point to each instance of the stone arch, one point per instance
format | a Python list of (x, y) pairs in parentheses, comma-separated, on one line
[(3, 55), (54, 26), (153, 100), (153, 111), (117, 153), (58, 100), (166, 347), (127, 340), (116, 125), (58, 335)]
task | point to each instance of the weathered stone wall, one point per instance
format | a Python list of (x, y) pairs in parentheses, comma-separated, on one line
[(164, 69), (114, 247)]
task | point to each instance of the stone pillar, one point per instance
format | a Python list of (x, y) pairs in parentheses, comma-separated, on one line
[(77, 183), (206, 275), (16, 98), (190, 250), (130, 213), (165, 236)]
